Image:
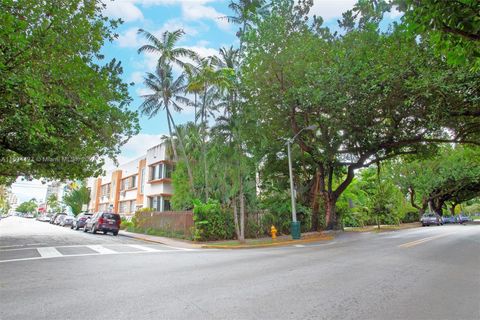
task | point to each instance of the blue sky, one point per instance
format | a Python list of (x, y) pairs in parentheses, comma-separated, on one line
[(206, 32)]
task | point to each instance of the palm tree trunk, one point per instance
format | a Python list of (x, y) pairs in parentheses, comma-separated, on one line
[(204, 147), (187, 163), (175, 156)]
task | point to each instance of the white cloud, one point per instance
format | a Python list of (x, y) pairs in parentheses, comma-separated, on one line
[(137, 77), (129, 39), (196, 11), (123, 9), (134, 148), (331, 9)]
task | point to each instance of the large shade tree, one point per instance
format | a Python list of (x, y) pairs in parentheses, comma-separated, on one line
[(373, 96), (63, 109)]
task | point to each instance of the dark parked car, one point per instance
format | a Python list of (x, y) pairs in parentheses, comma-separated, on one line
[(54, 218), (462, 218), (80, 221), (449, 219), (103, 221), (431, 218)]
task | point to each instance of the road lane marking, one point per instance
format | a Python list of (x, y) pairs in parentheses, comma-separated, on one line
[(420, 241), (97, 254), (49, 252), (137, 246), (101, 249)]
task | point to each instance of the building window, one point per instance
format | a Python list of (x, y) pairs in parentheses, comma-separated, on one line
[(132, 206), (142, 180), (161, 171), (158, 203), (133, 182), (166, 205), (105, 190), (155, 203), (123, 207)]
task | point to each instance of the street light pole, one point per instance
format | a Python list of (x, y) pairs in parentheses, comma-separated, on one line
[(295, 228), (292, 189)]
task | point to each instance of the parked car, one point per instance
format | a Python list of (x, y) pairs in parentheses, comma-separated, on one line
[(463, 218), (103, 221), (67, 221), (431, 218), (59, 219), (43, 218), (449, 219), (55, 216), (79, 222)]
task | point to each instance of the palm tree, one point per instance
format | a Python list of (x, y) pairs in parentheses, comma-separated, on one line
[(209, 82), (245, 11), (166, 48), (166, 93)]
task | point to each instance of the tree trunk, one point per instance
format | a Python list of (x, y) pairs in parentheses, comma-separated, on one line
[(175, 156), (187, 163), (242, 213), (204, 147), (315, 203), (452, 208), (235, 218), (332, 221)]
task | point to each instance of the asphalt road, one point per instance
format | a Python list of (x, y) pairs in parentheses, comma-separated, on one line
[(423, 273)]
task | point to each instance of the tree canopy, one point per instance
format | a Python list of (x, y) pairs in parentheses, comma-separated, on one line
[(63, 109)]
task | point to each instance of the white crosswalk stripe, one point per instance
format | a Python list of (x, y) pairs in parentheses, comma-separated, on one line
[(48, 252), (39, 253), (137, 246), (101, 249)]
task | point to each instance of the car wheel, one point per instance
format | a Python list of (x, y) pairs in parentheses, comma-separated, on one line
[(104, 232), (94, 230), (115, 233), (71, 227), (76, 228)]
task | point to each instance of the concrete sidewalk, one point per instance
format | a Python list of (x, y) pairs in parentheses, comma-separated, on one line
[(185, 244)]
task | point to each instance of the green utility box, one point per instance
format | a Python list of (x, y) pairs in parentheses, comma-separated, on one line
[(295, 230)]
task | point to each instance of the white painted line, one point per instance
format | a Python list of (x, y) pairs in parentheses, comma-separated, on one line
[(100, 249), (137, 246), (49, 252), (299, 246), (97, 254)]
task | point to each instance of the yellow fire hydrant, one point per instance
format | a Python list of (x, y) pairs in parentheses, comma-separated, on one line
[(273, 231)]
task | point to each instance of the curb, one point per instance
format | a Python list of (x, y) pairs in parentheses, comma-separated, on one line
[(186, 246), (266, 245)]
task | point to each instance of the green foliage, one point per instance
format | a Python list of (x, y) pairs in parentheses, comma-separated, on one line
[(453, 27), (126, 224), (277, 209), (211, 221), (62, 110), (137, 219), (76, 198), (27, 207), (182, 198)]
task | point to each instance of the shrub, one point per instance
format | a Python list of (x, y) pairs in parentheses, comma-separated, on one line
[(125, 224), (211, 222), (278, 212)]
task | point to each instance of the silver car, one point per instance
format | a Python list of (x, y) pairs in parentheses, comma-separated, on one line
[(431, 218)]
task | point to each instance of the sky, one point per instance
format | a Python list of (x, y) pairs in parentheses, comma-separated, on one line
[(206, 31)]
